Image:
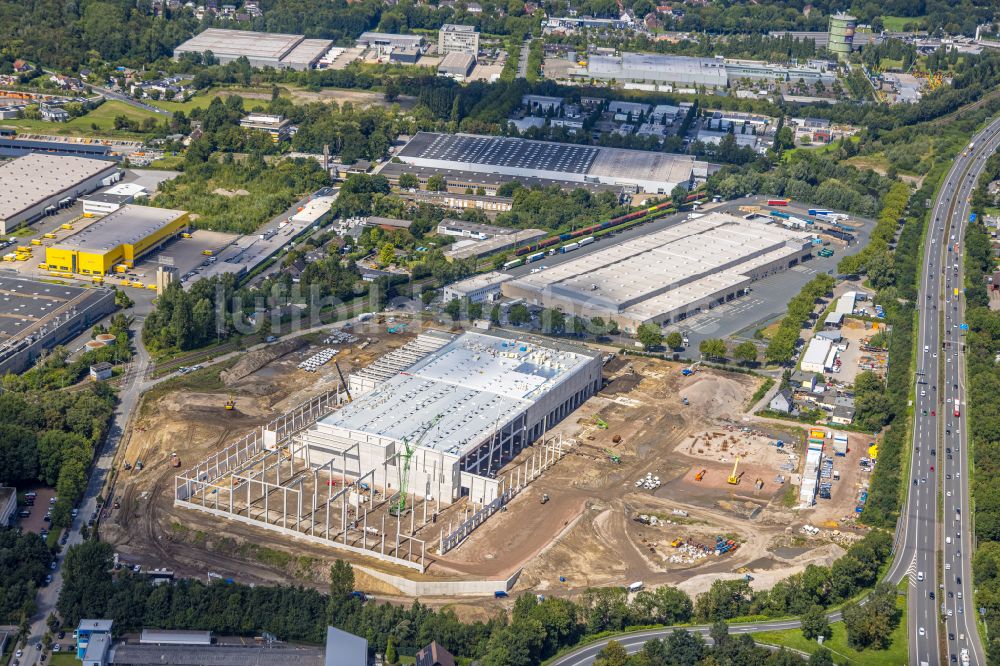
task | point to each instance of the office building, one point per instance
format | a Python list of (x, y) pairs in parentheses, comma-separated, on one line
[(483, 288), (458, 39), (278, 127)]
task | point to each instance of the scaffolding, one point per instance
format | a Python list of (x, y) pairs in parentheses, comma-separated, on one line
[(543, 456), (268, 479)]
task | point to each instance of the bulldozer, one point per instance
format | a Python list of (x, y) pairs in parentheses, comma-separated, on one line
[(734, 478), (700, 475)]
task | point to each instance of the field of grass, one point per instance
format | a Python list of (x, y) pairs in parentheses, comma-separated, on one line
[(103, 118), (896, 655), (897, 23), (64, 659)]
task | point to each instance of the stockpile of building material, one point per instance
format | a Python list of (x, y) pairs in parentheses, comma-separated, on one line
[(318, 360)]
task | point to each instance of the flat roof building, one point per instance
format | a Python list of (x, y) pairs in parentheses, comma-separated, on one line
[(652, 68), (472, 248), (389, 40), (458, 39), (261, 49), (478, 288), (816, 354), (452, 227), (666, 276), (35, 184), (278, 127), (650, 172), (456, 64), (467, 407), (122, 237)]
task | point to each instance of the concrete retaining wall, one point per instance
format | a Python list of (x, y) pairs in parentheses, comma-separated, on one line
[(433, 588)]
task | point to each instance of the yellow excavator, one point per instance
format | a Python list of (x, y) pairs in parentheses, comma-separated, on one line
[(230, 403), (734, 478)]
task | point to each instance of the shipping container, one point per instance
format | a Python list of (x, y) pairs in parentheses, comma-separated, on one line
[(586, 241), (569, 247), (778, 202)]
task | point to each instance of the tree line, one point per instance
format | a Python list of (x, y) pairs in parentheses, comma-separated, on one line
[(983, 408), (535, 629)]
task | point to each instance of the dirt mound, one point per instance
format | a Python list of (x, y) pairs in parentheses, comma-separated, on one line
[(717, 394), (253, 361)]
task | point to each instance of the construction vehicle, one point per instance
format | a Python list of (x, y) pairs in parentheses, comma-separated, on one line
[(676, 543), (36, 241), (49, 235), (174, 460), (207, 253), (700, 475), (759, 483), (544, 499), (600, 423), (185, 234), (231, 403), (684, 401), (734, 478), (613, 457), (399, 508), (691, 369), (343, 382)]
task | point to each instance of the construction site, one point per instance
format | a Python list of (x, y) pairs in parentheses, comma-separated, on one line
[(444, 464)]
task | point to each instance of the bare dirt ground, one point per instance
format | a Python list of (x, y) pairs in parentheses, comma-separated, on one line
[(356, 97), (193, 422), (589, 532)]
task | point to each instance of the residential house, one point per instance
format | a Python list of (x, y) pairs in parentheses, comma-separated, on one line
[(782, 402)]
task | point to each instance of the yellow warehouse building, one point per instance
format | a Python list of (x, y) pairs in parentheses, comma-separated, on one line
[(122, 237)]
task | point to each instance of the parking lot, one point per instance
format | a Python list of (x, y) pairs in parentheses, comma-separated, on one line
[(185, 254), (36, 522)]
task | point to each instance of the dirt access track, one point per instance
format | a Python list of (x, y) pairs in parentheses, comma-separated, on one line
[(588, 532)]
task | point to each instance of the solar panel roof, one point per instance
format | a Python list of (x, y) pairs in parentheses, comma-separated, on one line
[(502, 151)]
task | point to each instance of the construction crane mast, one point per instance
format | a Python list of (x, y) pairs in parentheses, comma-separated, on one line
[(406, 454)]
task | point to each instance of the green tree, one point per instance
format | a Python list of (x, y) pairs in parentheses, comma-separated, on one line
[(495, 314), (815, 624), (678, 195), (649, 335), (437, 183), (745, 352), (675, 340), (453, 309), (713, 348), (553, 321), (612, 654), (518, 314), (408, 181), (390, 651), (386, 254), (821, 657)]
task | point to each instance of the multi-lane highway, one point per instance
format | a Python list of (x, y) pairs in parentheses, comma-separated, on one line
[(944, 391)]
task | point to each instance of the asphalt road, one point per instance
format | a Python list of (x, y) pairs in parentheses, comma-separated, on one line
[(132, 387), (944, 362)]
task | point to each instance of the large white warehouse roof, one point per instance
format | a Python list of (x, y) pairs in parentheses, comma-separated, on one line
[(473, 385)]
